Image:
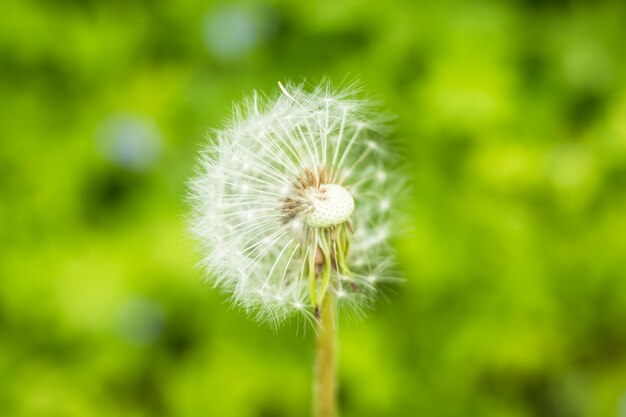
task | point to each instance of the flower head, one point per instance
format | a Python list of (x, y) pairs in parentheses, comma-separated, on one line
[(293, 202)]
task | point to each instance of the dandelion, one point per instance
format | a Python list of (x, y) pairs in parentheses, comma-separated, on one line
[(293, 205)]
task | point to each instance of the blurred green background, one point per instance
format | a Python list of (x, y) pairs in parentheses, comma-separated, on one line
[(512, 119)]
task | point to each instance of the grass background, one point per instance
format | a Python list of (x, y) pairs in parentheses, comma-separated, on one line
[(511, 114)]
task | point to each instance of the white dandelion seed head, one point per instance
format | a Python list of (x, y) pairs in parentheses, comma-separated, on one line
[(294, 200)]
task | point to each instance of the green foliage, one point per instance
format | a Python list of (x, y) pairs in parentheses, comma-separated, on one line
[(511, 119)]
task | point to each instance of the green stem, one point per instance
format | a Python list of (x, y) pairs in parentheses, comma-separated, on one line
[(325, 247), (325, 384)]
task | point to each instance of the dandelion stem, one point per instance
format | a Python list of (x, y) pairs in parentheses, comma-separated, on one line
[(325, 384)]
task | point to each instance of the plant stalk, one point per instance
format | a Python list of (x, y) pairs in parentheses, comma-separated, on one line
[(325, 384)]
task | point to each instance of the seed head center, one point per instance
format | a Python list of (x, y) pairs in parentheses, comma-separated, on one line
[(331, 205)]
